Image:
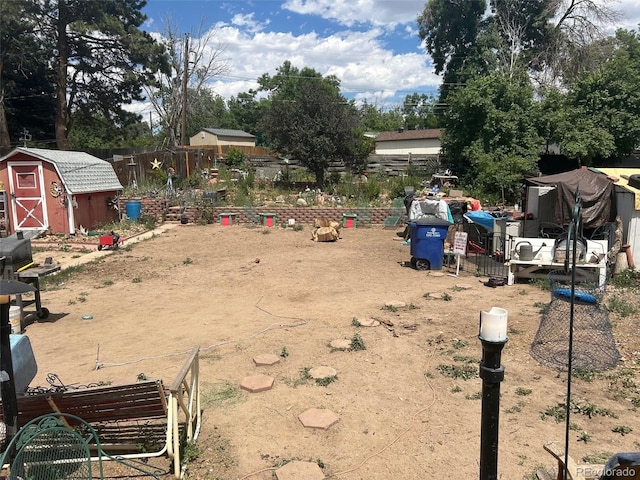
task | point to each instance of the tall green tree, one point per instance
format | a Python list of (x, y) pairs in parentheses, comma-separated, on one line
[(100, 58), (544, 37), (207, 110), (419, 111), (26, 95), (376, 119), (97, 131), (610, 97), (450, 30), (247, 111), (569, 129), (308, 119), (491, 136)]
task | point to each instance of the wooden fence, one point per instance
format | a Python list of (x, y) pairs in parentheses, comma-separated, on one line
[(188, 161)]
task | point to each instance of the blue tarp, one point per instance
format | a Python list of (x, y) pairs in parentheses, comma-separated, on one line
[(481, 218)]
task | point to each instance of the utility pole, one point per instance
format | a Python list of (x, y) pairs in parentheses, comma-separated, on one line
[(26, 137), (183, 127)]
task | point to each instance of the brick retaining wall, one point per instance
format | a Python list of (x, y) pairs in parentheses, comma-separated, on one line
[(306, 215), (153, 207), (159, 208)]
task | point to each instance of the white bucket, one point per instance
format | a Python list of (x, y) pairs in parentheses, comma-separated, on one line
[(15, 319)]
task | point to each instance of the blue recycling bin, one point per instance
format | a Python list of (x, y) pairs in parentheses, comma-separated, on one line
[(427, 242)]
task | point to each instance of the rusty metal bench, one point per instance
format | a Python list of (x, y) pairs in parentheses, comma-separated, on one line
[(139, 420)]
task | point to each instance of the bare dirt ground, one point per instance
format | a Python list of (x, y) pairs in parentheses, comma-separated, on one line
[(238, 292)]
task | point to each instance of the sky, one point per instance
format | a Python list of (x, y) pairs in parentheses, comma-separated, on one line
[(372, 46)]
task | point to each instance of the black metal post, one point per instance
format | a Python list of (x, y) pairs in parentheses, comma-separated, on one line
[(491, 373), (7, 384)]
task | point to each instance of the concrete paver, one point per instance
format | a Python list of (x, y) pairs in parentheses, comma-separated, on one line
[(257, 383), (266, 359), (320, 418), (298, 470)]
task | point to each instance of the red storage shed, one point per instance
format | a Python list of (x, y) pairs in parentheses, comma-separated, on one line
[(55, 191)]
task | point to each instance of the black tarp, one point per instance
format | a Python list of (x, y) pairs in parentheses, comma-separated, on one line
[(596, 192)]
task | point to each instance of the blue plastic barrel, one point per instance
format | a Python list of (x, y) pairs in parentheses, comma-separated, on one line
[(133, 209)]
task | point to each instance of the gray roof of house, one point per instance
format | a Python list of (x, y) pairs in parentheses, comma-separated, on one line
[(79, 171), (425, 134), (228, 132)]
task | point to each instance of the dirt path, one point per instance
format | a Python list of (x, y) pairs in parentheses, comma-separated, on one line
[(240, 292)]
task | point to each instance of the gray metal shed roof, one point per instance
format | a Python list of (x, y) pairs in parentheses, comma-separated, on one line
[(79, 171), (227, 132)]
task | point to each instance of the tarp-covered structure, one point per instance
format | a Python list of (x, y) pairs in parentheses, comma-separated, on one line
[(596, 192)]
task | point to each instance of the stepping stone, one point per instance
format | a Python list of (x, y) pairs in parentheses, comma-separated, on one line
[(266, 359), (395, 304), (322, 372), (318, 418), (298, 470), (341, 344), (369, 322), (257, 383), (464, 286), (434, 296), (436, 274)]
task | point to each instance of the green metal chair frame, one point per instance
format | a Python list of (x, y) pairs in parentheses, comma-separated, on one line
[(252, 217), (364, 216), (397, 211), (60, 446)]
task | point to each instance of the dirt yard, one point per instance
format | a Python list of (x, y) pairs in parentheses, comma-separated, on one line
[(407, 401)]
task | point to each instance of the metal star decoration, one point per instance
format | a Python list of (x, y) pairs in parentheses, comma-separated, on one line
[(155, 165)]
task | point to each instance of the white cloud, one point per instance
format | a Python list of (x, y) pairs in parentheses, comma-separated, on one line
[(364, 61), (386, 13), (631, 13), (359, 59), (247, 21)]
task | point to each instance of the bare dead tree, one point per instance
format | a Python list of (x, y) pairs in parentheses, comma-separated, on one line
[(582, 21), (512, 33), (199, 65), (579, 31)]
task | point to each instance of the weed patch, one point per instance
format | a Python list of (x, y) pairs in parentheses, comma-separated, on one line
[(220, 395), (462, 372), (621, 307), (559, 414), (523, 392), (357, 343)]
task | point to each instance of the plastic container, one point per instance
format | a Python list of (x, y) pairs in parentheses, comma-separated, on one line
[(24, 362), (268, 219), (133, 209), (349, 220), (15, 319), (427, 243)]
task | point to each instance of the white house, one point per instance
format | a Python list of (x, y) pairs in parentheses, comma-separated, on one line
[(405, 142)]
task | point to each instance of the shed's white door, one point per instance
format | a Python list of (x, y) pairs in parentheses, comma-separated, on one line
[(28, 207)]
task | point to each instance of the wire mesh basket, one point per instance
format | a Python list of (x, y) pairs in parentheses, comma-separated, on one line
[(583, 292), (593, 347)]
